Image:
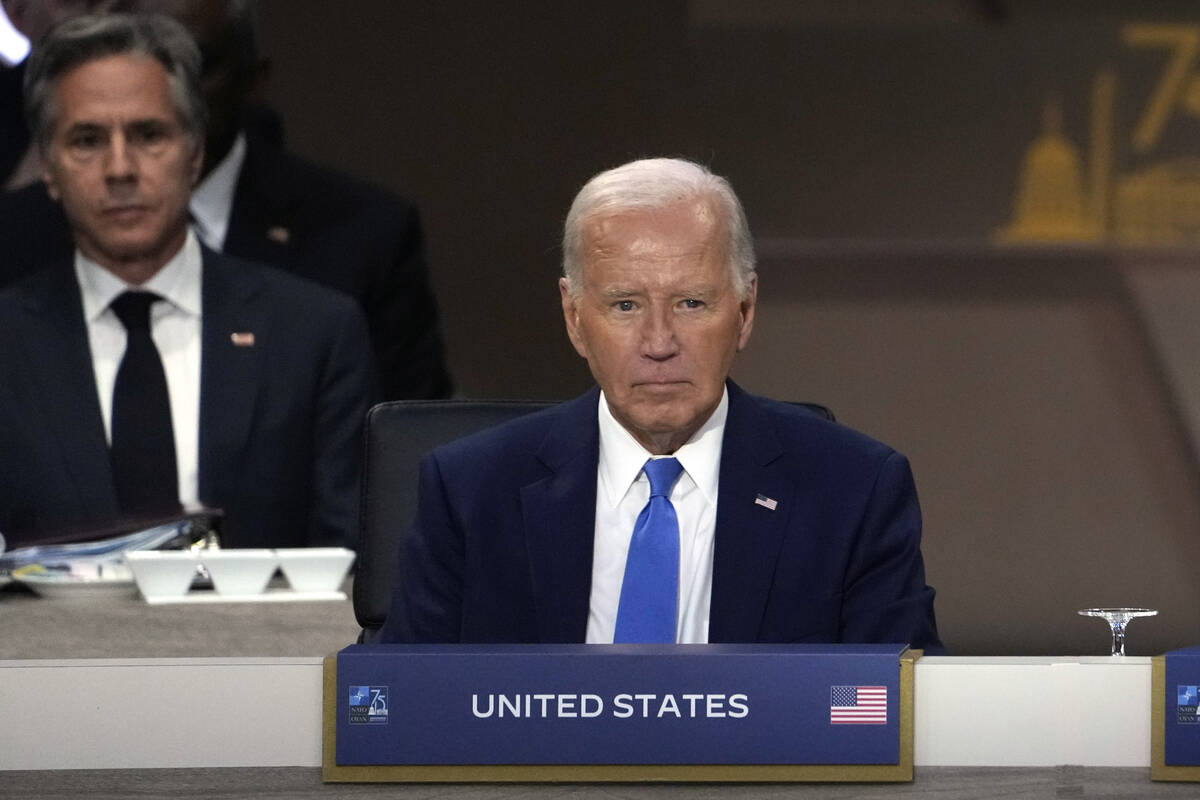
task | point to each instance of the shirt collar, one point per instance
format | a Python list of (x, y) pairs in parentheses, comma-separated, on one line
[(622, 457), (212, 199), (177, 282)]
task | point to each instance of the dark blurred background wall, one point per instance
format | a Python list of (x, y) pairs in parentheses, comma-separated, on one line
[(977, 223)]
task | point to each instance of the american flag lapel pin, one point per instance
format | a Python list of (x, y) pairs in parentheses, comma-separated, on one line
[(245, 339), (766, 502)]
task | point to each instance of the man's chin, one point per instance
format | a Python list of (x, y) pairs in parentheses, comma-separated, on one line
[(137, 243), (126, 250), (669, 418), (117, 252)]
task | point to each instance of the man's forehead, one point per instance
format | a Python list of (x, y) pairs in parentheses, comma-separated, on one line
[(132, 83), (646, 253), (692, 218), (687, 232)]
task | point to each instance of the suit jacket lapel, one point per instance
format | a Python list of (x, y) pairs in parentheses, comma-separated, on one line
[(230, 361), (559, 513), (748, 534), (61, 363)]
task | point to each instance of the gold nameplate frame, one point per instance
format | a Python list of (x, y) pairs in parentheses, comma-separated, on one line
[(1159, 771), (627, 773)]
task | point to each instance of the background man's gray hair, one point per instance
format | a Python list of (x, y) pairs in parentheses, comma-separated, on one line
[(657, 183), (87, 38)]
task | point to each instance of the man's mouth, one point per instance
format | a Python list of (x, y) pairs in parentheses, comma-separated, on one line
[(125, 211)]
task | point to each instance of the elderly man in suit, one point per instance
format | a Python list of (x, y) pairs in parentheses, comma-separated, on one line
[(666, 505), (145, 372)]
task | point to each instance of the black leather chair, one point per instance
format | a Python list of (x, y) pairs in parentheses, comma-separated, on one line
[(397, 435)]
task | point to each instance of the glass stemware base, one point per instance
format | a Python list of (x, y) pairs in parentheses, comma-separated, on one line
[(1118, 619)]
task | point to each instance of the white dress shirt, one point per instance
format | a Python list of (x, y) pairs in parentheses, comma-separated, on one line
[(622, 489), (212, 199), (174, 327)]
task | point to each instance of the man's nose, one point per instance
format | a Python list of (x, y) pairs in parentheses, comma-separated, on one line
[(658, 334), (120, 164)]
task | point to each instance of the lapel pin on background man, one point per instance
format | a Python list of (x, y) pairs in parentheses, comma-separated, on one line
[(147, 372), (665, 505)]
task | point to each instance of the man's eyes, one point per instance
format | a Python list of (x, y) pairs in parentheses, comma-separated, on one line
[(86, 139), (147, 134), (689, 303)]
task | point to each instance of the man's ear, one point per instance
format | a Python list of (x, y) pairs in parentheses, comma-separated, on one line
[(746, 311), (49, 178), (570, 307)]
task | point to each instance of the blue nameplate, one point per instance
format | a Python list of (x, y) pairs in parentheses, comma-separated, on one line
[(1182, 713), (617, 704)]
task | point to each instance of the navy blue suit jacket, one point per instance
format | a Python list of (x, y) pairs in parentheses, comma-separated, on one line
[(280, 421), (501, 548)]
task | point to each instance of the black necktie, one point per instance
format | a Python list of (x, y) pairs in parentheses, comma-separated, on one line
[(143, 443)]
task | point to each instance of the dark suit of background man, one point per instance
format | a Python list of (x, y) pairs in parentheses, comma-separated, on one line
[(259, 202), (268, 375), (791, 528)]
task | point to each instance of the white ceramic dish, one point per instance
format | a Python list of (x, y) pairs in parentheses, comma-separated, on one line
[(163, 573), (269, 596), (315, 569), (240, 572)]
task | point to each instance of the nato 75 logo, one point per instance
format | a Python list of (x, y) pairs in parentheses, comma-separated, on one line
[(368, 705), (1186, 707)]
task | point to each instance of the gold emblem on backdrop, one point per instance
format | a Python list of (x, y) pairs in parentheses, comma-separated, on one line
[(1063, 198)]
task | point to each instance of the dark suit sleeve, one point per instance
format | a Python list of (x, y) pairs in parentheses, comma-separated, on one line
[(885, 595), (428, 592), (345, 392), (403, 317)]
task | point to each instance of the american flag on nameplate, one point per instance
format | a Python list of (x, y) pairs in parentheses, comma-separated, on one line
[(858, 705)]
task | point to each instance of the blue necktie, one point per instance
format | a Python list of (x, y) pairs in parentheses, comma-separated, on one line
[(650, 590)]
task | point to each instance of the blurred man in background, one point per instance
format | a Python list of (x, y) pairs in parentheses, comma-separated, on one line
[(143, 373), (257, 201)]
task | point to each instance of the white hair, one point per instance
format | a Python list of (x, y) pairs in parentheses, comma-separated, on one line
[(657, 183)]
